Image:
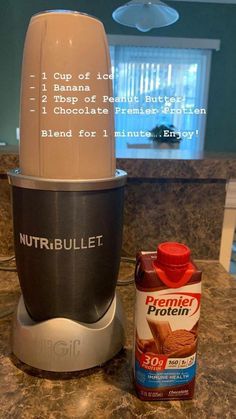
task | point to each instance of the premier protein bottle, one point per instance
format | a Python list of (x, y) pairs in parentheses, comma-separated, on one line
[(167, 310)]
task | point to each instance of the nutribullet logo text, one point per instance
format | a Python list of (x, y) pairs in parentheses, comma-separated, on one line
[(76, 243), (58, 348)]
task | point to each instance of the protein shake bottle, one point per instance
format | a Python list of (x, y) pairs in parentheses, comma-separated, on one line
[(168, 293)]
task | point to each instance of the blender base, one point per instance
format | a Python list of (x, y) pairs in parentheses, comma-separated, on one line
[(63, 345)]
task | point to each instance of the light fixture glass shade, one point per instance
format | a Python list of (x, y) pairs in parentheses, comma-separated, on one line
[(145, 14)]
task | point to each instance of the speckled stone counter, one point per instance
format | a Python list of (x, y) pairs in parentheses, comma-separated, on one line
[(159, 164), (168, 198), (108, 392)]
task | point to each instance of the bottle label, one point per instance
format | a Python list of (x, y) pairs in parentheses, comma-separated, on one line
[(166, 341)]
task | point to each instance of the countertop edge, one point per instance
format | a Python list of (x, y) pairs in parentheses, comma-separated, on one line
[(215, 166)]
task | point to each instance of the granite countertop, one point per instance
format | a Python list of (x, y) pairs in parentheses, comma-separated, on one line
[(155, 163), (108, 392)]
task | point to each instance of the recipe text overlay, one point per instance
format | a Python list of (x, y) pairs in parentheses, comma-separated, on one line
[(63, 95)]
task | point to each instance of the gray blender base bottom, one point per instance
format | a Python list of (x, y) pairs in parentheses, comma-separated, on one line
[(62, 344)]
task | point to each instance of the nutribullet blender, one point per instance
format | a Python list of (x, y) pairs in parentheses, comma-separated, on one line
[(67, 198)]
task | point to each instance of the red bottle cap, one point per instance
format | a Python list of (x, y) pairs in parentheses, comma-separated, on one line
[(173, 255)]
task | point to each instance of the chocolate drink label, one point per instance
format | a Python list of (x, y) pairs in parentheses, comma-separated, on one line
[(166, 331)]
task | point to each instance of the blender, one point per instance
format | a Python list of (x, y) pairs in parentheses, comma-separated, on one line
[(67, 198)]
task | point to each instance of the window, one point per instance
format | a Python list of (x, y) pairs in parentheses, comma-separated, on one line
[(159, 85)]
